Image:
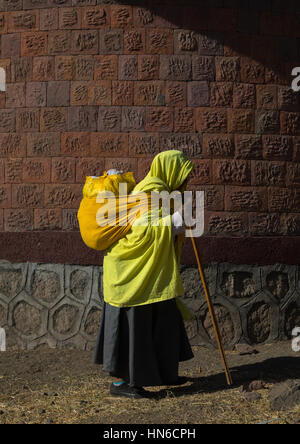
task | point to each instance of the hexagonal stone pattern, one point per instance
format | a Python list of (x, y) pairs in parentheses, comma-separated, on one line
[(238, 284), (79, 284), (64, 318), (10, 282), (292, 319), (45, 285), (26, 319), (91, 325), (61, 305), (259, 323), (3, 315), (225, 323)]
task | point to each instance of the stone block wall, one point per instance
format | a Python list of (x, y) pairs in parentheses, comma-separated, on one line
[(60, 305), (57, 305), (95, 84)]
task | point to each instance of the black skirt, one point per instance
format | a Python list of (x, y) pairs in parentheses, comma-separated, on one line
[(143, 345)]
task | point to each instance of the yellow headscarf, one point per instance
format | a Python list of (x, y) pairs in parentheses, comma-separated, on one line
[(143, 267)]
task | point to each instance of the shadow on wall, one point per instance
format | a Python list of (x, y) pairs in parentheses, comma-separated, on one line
[(267, 31)]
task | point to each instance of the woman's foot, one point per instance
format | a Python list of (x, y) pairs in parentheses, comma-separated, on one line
[(125, 390)]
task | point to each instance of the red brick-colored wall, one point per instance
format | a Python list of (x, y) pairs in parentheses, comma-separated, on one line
[(91, 87)]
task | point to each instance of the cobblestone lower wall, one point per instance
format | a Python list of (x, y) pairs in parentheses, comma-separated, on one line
[(60, 305)]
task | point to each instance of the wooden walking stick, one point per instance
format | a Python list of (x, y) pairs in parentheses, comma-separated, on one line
[(212, 313)]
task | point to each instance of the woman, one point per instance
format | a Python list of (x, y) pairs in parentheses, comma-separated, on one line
[(142, 337)]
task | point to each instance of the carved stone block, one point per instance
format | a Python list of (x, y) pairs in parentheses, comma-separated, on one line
[(244, 96), (111, 41), (58, 93), (133, 118), (268, 173), (70, 220), (109, 119), (63, 196), (48, 19), (159, 119), (59, 42), (252, 71), (63, 170), (210, 120), (246, 199), (106, 67), (109, 145), (228, 69), (34, 43), (198, 94), (47, 220), (36, 94), (18, 220), (134, 41), (175, 67), (15, 95), (184, 121), (264, 224), (53, 119), (82, 118), (36, 171), (233, 172), (43, 69), (12, 145), (88, 167), (204, 68), (201, 174), (69, 18), (121, 16), (290, 123), (215, 146), (95, 17), (227, 224), (128, 67), (266, 96), (27, 196), (28, 119), (75, 144), (221, 94), (248, 146), (143, 144), (267, 122), (122, 93), (176, 94), (149, 93), (85, 42), (84, 67), (185, 42), (211, 44), (79, 93), (23, 21), (99, 93), (190, 144), (241, 121), (278, 147), (148, 67)]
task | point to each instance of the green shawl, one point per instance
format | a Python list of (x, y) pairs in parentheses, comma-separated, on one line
[(143, 267)]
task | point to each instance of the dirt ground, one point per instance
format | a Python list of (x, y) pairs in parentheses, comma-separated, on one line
[(63, 386)]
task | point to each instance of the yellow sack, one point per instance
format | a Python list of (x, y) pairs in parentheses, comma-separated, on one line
[(108, 183), (103, 222)]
